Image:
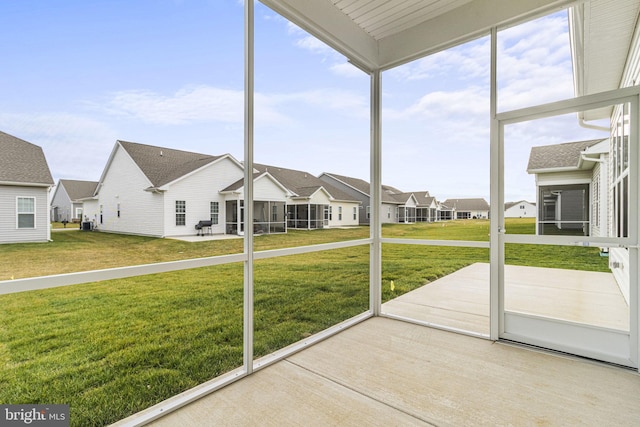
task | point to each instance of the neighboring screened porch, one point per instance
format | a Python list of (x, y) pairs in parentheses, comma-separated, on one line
[(564, 209), (308, 216), (268, 217)]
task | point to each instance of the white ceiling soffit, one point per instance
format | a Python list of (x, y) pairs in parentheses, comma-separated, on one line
[(602, 33), (381, 34)]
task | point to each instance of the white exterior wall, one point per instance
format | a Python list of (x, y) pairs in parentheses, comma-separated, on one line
[(347, 214), (264, 189), (619, 265), (515, 211), (198, 190), (9, 231), (63, 204), (562, 178), (388, 213), (91, 210), (599, 181), (140, 211)]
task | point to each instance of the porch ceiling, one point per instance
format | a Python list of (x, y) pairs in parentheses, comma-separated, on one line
[(601, 36), (381, 34)]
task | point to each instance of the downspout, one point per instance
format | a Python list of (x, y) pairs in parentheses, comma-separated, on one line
[(585, 125)]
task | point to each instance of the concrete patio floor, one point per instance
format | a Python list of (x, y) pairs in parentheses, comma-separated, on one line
[(461, 299), (388, 372), (385, 372)]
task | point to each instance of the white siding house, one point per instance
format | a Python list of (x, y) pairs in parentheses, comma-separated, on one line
[(157, 191), (520, 209), (313, 203), (269, 206), (163, 192), (358, 189), (567, 184), (67, 200), (25, 183), (473, 208)]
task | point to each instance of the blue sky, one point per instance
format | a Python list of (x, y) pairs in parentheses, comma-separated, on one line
[(79, 75)]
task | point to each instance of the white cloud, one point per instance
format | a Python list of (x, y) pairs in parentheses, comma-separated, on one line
[(338, 63), (346, 69), (342, 101), (469, 61), (75, 146), (189, 105)]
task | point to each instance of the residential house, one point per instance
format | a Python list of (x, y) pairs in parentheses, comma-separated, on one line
[(426, 208), (67, 200), (569, 177), (314, 203), (269, 211), (474, 208), (520, 209), (408, 204), (359, 189), (162, 192), (25, 183)]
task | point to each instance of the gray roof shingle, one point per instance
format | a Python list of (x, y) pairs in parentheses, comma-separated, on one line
[(163, 165), (364, 187), (78, 189), (423, 198), (22, 162), (558, 156), (302, 183), (467, 204)]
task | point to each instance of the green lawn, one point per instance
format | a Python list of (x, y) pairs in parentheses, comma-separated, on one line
[(112, 348)]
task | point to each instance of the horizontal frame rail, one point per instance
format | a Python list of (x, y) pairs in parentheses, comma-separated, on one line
[(67, 279), (423, 242)]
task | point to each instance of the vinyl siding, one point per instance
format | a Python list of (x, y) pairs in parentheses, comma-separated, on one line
[(9, 231), (347, 214), (356, 195), (62, 202), (198, 190), (265, 189), (514, 211), (388, 213), (141, 212), (561, 178)]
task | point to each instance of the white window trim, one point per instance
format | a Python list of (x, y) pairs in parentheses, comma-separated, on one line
[(18, 213)]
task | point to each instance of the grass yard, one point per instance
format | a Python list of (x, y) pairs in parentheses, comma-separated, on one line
[(112, 348)]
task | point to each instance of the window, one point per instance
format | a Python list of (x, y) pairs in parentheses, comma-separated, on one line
[(330, 213), (181, 212), (355, 213), (368, 212), (26, 211), (274, 212), (339, 213), (215, 212), (118, 209), (101, 213), (389, 213)]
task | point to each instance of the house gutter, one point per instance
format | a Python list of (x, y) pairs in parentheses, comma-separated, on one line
[(592, 159), (582, 123)]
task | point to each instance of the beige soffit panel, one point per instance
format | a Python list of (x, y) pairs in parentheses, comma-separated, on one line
[(381, 34), (602, 34)]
